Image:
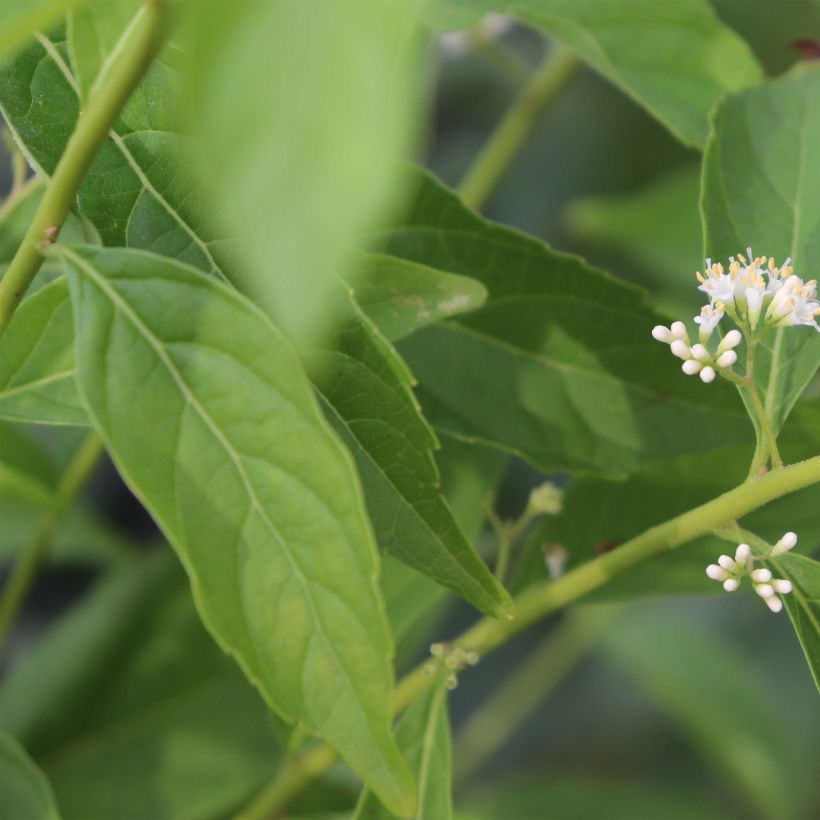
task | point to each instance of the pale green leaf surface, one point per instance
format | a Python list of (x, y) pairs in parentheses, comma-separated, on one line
[(401, 297), (37, 361), (274, 538), (706, 687), (558, 365), (760, 181), (803, 604), (423, 733), (25, 471), (26, 794), (315, 161), (21, 19), (675, 58), (366, 392), (134, 711)]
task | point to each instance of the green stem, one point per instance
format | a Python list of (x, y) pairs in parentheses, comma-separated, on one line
[(523, 690), (31, 559), (769, 435), (541, 599), (91, 131), (491, 162)]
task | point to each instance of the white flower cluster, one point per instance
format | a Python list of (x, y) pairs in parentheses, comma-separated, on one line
[(754, 293), (697, 358), (755, 287), (491, 27), (731, 571)]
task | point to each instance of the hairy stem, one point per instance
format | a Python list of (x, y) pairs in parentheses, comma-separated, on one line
[(35, 552), (91, 131), (541, 599), (493, 159)]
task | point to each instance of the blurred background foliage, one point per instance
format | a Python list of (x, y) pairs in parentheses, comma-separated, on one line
[(595, 714)]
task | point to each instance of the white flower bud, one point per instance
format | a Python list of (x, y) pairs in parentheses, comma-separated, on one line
[(786, 543), (781, 586), (762, 576), (680, 349), (743, 553), (700, 352), (727, 563), (731, 584), (732, 339), (716, 573), (774, 603), (707, 375), (678, 330), (764, 590), (691, 366), (727, 358), (662, 334)]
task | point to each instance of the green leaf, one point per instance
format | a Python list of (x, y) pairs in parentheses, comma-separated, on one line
[(803, 604), (25, 471), (366, 393), (37, 361), (26, 792), (423, 733), (314, 158), (675, 58), (709, 690), (402, 297), (559, 365), (134, 194), (21, 19), (760, 179), (134, 711), (658, 227), (199, 409)]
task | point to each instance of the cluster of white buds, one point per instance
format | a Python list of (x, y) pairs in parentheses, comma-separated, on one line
[(546, 499), (697, 358), (491, 27), (454, 660), (755, 288), (731, 571)]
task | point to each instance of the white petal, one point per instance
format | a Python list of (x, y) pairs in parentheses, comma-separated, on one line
[(727, 563), (762, 576), (774, 603), (707, 375), (716, 573), (782, 586), (731, 584), (743, 553)]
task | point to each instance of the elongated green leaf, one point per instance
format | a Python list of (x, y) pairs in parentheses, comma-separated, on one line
[(759, 189), (25, 471), (26, 792), (134, 711), (366, 392), (200, 409), (559, 365), (423, 733), (315, 160), (675, 58), (706, 687), (803, 604), (135, 193), (21, 19), (37, 361), (401, 297)]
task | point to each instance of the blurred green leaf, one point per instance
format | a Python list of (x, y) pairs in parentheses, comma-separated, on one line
[(21, 19), (134, 711), (675, 58), (26, 792), (275, 539), (658, 227), (559, 365), (760, 181), (314, 160), (136, 193), (37, 361), (366, 393), (705, 686), (803, 604), (25, 471), (401, 297), (423, 733)]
